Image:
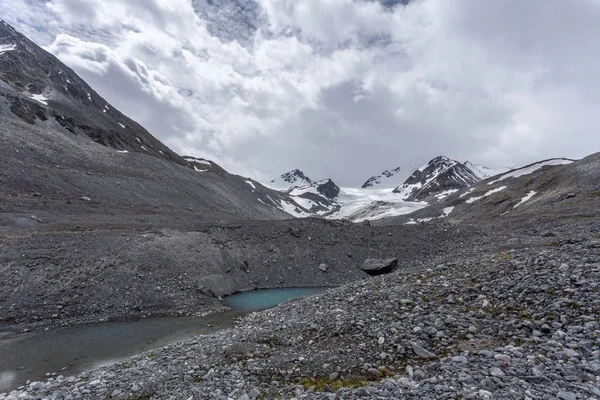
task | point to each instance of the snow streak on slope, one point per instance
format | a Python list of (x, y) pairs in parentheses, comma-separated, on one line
[(4, 48), (526, 198), (488, 193), (531, 168)]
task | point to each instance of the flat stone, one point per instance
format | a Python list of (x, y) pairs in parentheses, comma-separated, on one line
[(422, 352)]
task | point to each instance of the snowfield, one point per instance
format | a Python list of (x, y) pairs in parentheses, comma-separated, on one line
[(370, 204), (531, 168)]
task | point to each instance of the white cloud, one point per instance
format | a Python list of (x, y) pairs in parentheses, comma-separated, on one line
[(321, 84)]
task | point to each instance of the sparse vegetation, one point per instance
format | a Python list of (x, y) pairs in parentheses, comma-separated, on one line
[(317, 384)]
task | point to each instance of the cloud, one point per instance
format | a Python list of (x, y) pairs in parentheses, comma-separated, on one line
[(339, 88)]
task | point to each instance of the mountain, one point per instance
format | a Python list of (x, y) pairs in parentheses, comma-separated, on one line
[(484, 172), (62, 142), (38, 87), (534, 192), (388, 178), (291, 179), (440, 176)]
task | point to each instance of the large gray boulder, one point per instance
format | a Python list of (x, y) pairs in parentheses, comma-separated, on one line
[(378, 266)]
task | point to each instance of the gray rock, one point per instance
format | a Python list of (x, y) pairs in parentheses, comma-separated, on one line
[(376, 266), (253, 393), (323, 267), (566, 396), (422, 352)]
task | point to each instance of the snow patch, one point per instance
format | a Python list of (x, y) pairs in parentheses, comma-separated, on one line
[(466, 193), (143, 148), (531, 169), (249, 182), (525, 199), (293, 209), (419, 220), (444, 194), (122, 126), (5, 48), (40, 98), (447, 211), (488, 193), (197, 160), (122, 151)]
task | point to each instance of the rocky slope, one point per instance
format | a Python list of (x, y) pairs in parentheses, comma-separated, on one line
[(485, 321), (36, 86), (52, 119)]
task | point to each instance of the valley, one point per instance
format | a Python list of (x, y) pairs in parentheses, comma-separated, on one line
[(485, 285)]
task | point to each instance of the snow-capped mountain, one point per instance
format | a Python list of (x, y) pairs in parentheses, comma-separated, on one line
[(541, 185), (484, 172), (290, 180), (441, 177)]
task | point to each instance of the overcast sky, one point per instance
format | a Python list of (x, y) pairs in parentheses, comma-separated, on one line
[(338, 88)]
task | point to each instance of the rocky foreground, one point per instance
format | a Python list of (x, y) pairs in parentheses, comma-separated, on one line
[(516, 324)]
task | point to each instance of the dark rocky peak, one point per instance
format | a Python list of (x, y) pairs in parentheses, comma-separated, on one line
[(439, 175), (292, 179), (295, 176), (386, 175), (328, 188), (37, 86)]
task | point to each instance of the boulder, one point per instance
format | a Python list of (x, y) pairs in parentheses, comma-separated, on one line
[(376, 266)]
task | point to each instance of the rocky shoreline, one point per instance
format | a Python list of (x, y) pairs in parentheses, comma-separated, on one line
[(516, 324), (59, 276)]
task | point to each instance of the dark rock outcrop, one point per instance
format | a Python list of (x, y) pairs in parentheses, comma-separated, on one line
[(328, 189)]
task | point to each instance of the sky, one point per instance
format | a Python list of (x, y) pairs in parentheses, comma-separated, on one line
[(338, 88)]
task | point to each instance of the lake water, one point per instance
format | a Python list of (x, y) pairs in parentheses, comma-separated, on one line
[(262, 299), (71, 350)]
